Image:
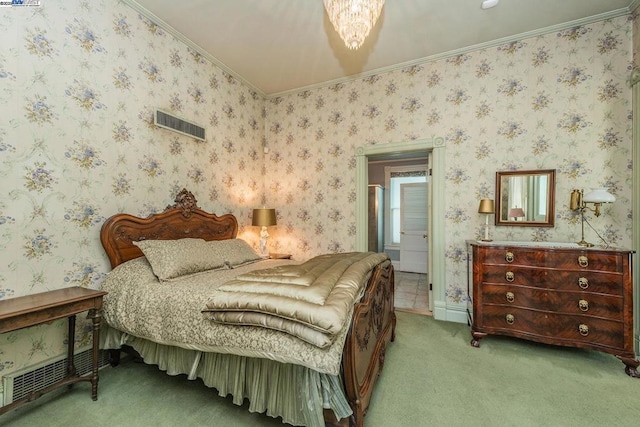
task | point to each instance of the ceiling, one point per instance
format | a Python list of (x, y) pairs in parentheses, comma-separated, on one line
[(278, 46)]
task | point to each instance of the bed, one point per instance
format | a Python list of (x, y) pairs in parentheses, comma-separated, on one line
[(180, 324)]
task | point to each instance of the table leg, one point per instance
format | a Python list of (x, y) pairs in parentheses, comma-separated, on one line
[(96, 316), (71, 368)]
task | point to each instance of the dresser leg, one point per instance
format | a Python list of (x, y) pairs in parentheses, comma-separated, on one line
[(631, 366), (477, 336), (632, 372)]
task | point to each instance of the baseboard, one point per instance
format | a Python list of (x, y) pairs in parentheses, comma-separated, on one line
[(449, 314)]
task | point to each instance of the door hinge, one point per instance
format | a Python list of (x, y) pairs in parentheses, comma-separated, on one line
[(430, 286)]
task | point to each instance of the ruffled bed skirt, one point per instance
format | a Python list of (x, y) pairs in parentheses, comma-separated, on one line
[(293, 392)]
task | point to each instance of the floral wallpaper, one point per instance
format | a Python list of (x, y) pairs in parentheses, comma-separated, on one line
[(557, 101), (79, 82)]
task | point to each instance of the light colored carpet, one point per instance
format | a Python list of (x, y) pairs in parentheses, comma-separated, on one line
[(432, 377)]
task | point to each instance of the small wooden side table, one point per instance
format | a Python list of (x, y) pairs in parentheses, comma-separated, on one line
[(31, 310)]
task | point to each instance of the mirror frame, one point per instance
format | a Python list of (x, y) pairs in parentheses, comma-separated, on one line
[(551, 186)]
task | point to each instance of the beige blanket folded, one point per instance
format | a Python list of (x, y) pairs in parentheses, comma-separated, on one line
[(312, 301)]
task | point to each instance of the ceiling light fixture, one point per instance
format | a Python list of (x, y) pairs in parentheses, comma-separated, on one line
[(487, 4), (353, 19)]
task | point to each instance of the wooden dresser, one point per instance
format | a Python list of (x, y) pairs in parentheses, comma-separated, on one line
[(570, 296)]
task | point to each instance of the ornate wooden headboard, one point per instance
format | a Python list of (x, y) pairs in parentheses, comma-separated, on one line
[(180, 220)]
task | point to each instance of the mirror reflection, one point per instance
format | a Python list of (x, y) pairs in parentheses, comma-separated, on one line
[(525, 198)]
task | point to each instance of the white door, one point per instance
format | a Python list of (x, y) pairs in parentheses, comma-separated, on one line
[(413, 227)]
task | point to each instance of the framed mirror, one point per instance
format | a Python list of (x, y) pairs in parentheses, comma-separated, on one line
[(525, 198)]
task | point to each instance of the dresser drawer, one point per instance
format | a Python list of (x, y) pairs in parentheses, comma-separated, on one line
[(568, 302), (555, 327), (590, 281), (555, 258)]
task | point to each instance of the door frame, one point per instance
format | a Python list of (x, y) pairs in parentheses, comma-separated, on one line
[(436, 255)]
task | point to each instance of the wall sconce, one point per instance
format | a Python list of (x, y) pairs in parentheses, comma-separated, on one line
[(264, 218), (516, 213), (486, 207), (579, 202)]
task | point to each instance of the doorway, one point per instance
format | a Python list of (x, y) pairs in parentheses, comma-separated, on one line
[(402, 183), (436, 254)]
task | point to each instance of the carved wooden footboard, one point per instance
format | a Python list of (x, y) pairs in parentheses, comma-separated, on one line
[(372, 329)]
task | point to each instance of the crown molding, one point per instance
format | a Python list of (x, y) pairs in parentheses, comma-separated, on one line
[(181, 37), (468, 49), (493, 43)]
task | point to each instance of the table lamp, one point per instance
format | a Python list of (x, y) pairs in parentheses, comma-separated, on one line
[(516, 213), (486, 207), (264, 218)]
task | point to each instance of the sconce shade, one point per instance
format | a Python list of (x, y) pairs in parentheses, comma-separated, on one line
[(599, 195), (486, 206), (516, 213), (264, 217)]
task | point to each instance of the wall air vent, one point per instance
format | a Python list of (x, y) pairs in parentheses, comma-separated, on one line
[(176, 124)]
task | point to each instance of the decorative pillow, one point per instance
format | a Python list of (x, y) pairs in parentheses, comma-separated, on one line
[(170, 259), (235, 252)]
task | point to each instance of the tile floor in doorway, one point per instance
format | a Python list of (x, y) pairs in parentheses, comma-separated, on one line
[(412, 292)]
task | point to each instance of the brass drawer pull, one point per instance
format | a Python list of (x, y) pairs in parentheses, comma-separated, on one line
[(584, 305), (510, 318), (583, 329), (583, 261), (583, 282), (510, 297), (510, 276), (509, 257)]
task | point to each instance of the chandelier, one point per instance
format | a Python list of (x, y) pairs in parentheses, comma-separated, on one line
[(353, 19)]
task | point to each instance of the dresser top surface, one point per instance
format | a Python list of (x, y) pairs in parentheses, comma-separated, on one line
[(542, 245)]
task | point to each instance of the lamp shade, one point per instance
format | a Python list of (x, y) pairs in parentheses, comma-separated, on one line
[(264, 217), (516, 213), (486, 206), (599, 195)]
